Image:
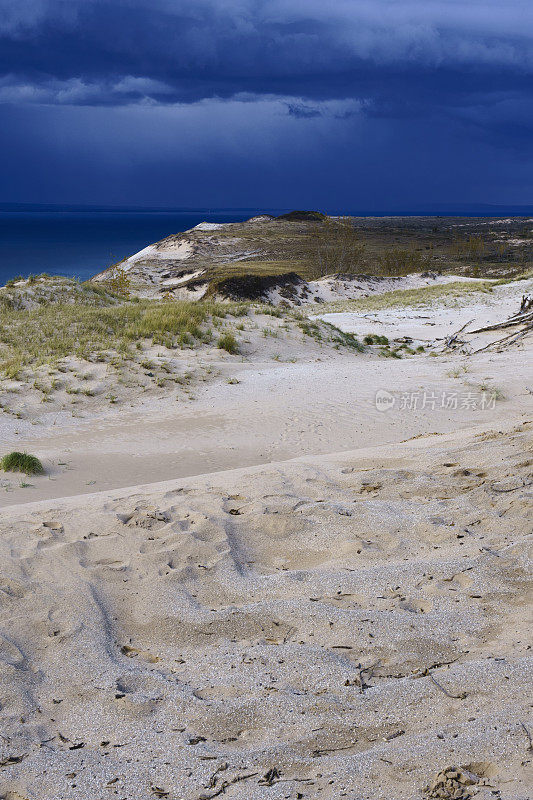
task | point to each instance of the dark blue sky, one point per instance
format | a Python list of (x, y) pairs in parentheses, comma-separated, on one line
[(340, 105)]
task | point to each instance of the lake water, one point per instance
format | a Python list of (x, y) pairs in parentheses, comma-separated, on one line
[(81, 243)]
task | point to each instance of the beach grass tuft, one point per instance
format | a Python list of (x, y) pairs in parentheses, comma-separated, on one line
[(229, 343), (21, 462)]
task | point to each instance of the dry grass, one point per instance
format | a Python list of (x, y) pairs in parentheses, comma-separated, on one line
[(228, 342), (41, 290), (99, 327), (48, 333), (410, 297), (221, 272)]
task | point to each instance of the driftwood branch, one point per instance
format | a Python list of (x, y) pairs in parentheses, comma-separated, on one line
[(518, 319), (452, 340), (506, 340), (523, 317)]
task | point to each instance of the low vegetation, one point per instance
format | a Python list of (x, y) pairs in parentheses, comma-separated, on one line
[(335, 247), (21, 462), (373, 338), (48, 333), (228, 342), (411, 297), (20, 294), (403, 261)]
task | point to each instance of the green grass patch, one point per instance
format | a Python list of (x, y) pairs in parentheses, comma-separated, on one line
[(373, 338), (386, 352), (22, 462), (228, 342), (326, 333)]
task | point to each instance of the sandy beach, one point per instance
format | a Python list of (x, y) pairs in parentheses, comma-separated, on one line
[(281, 587)]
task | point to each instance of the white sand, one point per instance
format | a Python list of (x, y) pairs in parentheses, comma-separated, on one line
[(346, 624), (208, 226), (155, 635)]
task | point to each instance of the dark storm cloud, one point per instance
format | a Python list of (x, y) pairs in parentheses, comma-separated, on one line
[(282, 102), (167, 51)]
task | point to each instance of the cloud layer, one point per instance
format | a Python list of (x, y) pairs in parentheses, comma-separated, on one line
[(345, 74), (123, 51)]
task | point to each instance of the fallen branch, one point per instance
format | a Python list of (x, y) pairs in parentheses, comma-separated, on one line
[(452, 340), (524, 316), (507, 340), (516, 319)]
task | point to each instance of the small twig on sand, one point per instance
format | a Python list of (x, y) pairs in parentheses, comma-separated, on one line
[(323, 752), (460, 696), (223, 786), (214, 777), (361, 681), (270, 777), (530, 746)]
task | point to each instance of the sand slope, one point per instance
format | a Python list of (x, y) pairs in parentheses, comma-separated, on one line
[(284, 395), (336, 626)]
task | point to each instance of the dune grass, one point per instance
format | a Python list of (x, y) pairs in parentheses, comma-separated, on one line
[(410, 297), (232, 269), (49, 333), (21, 462), (34, 291), (228, 342)]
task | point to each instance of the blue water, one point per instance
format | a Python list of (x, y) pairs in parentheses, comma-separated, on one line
[(81, 243)]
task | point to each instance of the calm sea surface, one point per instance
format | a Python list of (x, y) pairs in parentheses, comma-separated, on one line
[(81, 243)]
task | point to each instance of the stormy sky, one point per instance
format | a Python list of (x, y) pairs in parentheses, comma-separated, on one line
[(339, 105)]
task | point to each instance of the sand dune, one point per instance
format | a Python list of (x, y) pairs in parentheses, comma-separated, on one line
[(343, 626), (284, 396), (351, 623)]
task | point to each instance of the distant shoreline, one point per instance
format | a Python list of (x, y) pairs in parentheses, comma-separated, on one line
[(80, 242), (438, 210)]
